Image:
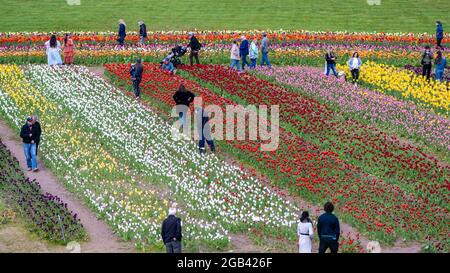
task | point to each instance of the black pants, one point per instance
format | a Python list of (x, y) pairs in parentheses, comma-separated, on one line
[(355, 75), (438, 42), (324, 244), (37, 147), (137, 89), (173, 247), (192, 55), (426, 70)]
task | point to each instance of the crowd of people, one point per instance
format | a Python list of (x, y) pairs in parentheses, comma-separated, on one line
[(328, 229)]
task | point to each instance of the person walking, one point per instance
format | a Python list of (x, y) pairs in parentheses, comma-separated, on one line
[(427, 59), (142, 32), (265, 50), (29, 133), (69, 49), (183, 98), (355, 64), (253, 53), (439, 34), (328, 230), (195, 46), (136, 72), (171, 232), (235, 56), (330, 58), (244, 51), (204, 130), (53, 51), (440, 63), (122, 32), (305, 233), (38, 132)]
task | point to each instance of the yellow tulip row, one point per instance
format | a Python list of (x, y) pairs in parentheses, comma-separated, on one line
[(65, 139), (410, 86)]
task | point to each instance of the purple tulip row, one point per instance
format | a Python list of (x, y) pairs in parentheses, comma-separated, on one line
[(369, 105), (46, 214)]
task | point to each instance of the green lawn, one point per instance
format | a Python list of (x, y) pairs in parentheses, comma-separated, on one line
[(101, 15)]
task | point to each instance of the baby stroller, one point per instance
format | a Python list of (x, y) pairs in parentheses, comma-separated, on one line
[(174, 57)]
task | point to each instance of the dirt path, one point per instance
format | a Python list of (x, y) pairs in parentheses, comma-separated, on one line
[(101, 236)]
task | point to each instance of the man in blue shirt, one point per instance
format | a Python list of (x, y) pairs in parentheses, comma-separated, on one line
[(328, 230)]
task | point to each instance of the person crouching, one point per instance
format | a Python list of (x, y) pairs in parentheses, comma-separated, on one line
[(168, 66)]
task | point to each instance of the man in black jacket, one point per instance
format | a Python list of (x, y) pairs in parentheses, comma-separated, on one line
[(183, 99), (171, 232), (136, 72), (29, 133), (195, 46), (427, 60), (328, 230), (39, 132)]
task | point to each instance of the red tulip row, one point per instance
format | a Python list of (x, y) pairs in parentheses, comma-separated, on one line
[(384, 210), (365, 146)]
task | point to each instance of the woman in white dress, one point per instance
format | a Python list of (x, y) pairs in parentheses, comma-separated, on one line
[(305, 233), (53, 50)]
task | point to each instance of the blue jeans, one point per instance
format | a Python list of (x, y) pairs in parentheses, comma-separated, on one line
[(252, 63), (332, 67), (29, 149), (206, 137), (142, 40), (439, 75), (235, 63), (182, 116), (265, 58), (244, 61)]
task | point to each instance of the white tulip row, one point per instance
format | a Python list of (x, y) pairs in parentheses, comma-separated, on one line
[(65, 160), (143, 140)]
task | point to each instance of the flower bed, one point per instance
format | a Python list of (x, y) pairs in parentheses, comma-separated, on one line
[(404, 117), (296, 47), (406, 85), (112, 163), (45, 214), (312, 172), (364, 146)]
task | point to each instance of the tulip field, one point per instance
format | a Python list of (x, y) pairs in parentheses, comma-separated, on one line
[(287, 47), (45, 214), (379, 151), (371, 175)]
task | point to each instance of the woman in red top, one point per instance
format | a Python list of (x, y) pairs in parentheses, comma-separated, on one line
[(68, 49)]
